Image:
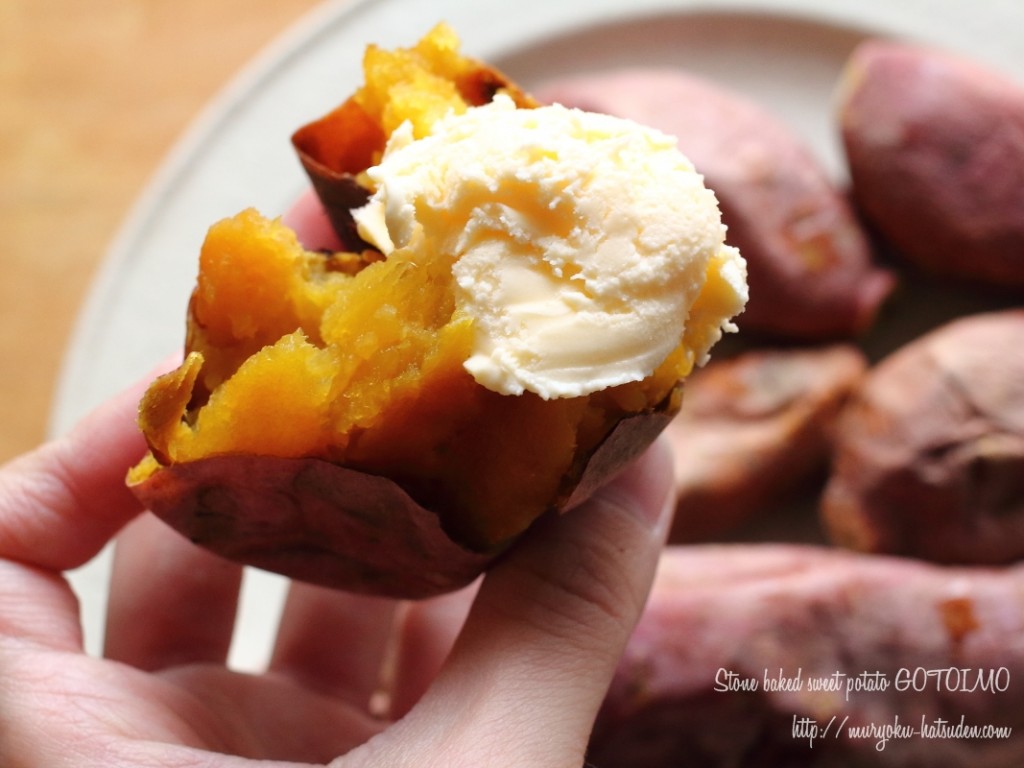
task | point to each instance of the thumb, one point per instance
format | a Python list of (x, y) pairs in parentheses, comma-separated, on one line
[(524, 681)]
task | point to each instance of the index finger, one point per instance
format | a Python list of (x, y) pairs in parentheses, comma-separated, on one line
[(63, 501)]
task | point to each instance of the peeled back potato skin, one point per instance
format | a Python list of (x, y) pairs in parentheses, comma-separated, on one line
[(929, 453), (935, 147)]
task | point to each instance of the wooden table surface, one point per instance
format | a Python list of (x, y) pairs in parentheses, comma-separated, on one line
[(92, 96)]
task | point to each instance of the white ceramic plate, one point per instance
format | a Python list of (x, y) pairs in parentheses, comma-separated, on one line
[(785, 53)]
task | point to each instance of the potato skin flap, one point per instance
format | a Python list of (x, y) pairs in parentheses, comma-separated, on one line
[(314, 521)]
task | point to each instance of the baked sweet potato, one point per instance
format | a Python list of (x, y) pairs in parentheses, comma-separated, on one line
[(810, 265), (753, 431), (325, 423), (764, 655), (935, 146), (929, 452)]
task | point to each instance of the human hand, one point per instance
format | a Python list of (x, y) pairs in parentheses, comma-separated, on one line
[(520, 685)]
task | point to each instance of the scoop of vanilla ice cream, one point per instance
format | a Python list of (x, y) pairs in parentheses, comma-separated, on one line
[(578, 241)]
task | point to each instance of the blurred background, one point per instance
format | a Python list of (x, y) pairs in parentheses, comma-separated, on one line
[(92, 96)]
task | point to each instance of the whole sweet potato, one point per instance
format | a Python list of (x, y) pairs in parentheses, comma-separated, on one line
[(764, 655), (929, 455), (809, 264), (935, 145), (753, 430)]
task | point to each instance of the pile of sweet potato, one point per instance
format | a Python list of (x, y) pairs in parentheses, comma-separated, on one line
[(874, 402), (930, 453), (850, 357)]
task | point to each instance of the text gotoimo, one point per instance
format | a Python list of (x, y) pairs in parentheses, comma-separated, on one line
[(953, 680)]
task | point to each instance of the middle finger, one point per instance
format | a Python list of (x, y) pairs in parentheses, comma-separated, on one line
[(334, 641), (170, 601)]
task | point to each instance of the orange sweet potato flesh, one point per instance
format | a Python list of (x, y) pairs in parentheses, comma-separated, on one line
[(935, 147), (322, 424)]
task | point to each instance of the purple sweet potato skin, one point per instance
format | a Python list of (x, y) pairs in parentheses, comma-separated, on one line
[(753, 430), (320, 522), (929, 452), (935, 148), (313, 521), (809, 612), (809, 262)]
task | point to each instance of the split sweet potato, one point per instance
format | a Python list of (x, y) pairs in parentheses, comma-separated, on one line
[(809, 263), (935, 146), (323, 423), (929, 456)]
